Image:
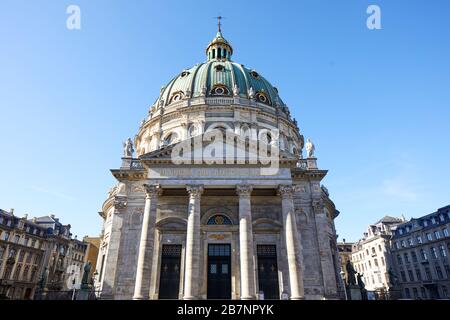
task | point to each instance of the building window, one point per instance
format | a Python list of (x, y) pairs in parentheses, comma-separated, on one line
[(406, 257), (399, 259), (410, 275), (382, 261), (17, 272), (419, 239), (415, 293), (379, 248), (447, 270), (445, 232), (428, 273), (425, 223), (423, 254), (219, 219), (376, 262), (429, 237), (403, 243), (410, 242), (441, 217), (433, 220), (16, 239), (408, 228), (418, 275), (442, 251), (444, 291), (424, 292), (370, 264), (437, 234), (5, 236), (407, 293), (403, 275), (397, 245), (373, 250), (434, 253), (379, 279), (400, 231), (414, 256), (439, 272), (21, 256)]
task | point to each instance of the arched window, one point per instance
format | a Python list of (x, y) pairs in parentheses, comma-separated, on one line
[(170, 139), (219, 219)]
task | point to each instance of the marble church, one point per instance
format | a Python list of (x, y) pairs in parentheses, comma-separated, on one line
[(216, 198)]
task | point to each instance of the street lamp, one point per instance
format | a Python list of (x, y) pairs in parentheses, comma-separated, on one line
[(73, 284)]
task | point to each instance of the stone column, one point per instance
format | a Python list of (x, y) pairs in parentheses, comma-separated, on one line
[(144, 264), (292, 242), (246, 243), (192, 264)]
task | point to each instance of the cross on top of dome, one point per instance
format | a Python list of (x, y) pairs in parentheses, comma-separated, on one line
[(219, 48)]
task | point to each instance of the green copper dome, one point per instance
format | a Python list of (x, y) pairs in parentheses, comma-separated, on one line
[(219, 76)]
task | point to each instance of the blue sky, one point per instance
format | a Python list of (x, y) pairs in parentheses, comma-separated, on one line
[(375, 102)]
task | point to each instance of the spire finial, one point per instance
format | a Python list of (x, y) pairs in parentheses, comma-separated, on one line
[(219, 23)]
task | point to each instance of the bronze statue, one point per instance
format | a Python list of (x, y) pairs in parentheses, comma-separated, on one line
[(361, 284), (87, 271), (351, 272)]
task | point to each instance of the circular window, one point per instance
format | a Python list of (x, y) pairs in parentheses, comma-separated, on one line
[(254, 74), (221, 91), (262, 98)]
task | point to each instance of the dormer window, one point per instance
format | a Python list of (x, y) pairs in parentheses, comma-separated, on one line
[(254, 74), (176, 96)]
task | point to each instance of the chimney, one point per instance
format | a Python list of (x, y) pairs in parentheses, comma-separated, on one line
[(25, 216), (52, 216), (12, 211), (76, 237), (343, 240), (34, 219)]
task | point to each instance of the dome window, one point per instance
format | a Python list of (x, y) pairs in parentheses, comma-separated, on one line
[(254, 74), (220, 90), (185, 73), (262, 97), (219, 67), (176, 96)]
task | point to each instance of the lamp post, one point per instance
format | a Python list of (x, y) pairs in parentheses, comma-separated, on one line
[(73, 284)]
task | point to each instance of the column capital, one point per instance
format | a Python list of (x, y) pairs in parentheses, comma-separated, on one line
[(285, 191), (152, 190), (194, 190), (244, 190)]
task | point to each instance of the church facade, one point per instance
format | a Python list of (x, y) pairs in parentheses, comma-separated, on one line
[(218, 201)]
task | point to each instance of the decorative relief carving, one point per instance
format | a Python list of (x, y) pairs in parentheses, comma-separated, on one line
[(285, 191), (120, 202), (299, 188), (137, 187), (318, 206)]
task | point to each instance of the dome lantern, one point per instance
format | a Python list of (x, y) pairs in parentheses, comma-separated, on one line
[(219, 48)]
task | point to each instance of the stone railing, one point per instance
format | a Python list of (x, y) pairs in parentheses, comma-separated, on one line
[(136, 165), (302, 164)]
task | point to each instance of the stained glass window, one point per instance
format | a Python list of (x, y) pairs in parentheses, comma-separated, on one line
[(219, 219)]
